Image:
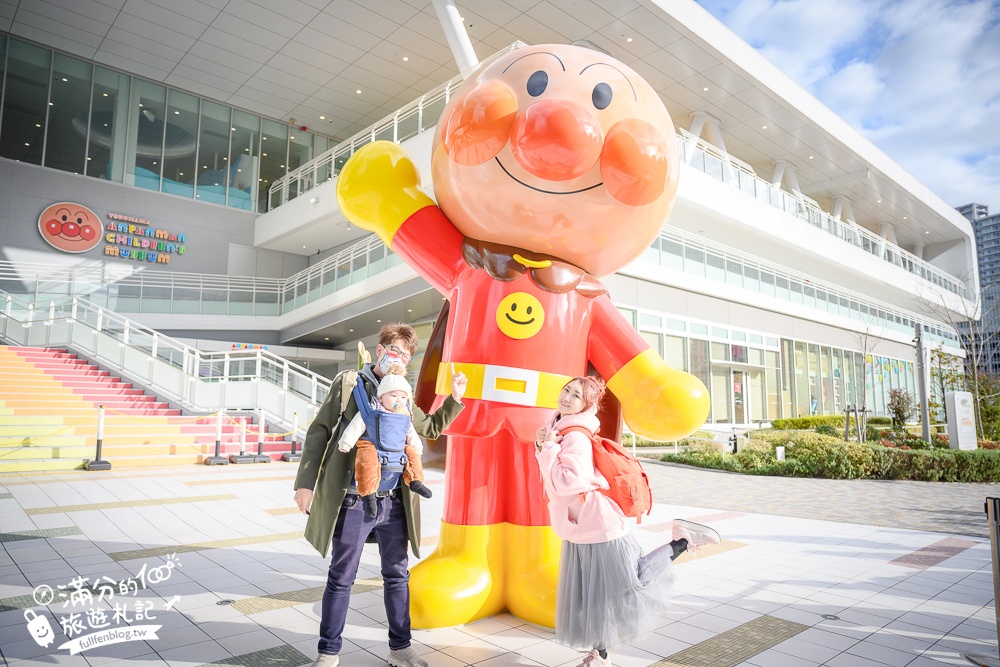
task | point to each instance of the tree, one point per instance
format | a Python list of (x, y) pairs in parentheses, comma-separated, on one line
[(866, 341), (947, 373), (977, 320), (901, 406)]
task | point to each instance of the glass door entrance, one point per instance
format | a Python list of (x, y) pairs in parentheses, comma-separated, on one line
[(739, 398)]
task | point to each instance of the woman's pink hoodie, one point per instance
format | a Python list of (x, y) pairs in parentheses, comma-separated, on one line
[(579, 512)]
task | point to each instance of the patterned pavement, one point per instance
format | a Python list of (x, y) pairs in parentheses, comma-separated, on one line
[(930, 506), (157, 567)]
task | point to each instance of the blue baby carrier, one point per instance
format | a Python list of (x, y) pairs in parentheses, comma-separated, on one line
[(387, 431)]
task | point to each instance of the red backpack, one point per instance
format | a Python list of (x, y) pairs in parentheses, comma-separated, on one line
[(628, 481)]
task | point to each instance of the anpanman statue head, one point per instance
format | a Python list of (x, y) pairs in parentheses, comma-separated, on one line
[(559, 150)]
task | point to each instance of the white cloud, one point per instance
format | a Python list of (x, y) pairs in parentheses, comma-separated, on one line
[(920, 78)]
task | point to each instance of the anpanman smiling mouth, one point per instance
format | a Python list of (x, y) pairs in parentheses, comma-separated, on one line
[(518, 321), (548, 192)]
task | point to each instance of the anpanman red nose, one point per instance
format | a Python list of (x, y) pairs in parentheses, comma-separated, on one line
[(556, 140)]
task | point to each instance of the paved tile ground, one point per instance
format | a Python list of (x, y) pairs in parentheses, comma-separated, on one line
[(811, 572)]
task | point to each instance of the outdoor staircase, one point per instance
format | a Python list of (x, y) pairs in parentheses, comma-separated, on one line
[(49, 402)]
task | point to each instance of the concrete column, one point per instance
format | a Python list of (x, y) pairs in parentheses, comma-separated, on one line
[(455, 33), (918, 250)]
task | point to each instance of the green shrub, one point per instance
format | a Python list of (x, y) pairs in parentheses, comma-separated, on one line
[(809, 454), (826, 429), (812, 421)]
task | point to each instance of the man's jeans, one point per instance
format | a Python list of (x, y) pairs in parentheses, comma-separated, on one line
[(353, 528)]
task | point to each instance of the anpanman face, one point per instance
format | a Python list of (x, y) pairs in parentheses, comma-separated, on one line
[(70, 227), (560, 150)]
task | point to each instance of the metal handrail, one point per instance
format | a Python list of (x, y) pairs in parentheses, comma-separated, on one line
[(745, 179), (324, 167), (140, 348)]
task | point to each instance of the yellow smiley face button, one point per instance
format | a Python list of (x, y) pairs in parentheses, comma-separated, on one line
[(520, 315)]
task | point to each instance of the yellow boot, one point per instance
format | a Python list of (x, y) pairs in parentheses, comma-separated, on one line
[(532, 567), (462, 581)]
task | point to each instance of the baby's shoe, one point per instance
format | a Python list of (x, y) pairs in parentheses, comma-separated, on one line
[(420, 488), (370, 503), (696, 534)]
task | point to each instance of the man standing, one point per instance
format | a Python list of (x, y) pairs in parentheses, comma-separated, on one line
[(337, 517)]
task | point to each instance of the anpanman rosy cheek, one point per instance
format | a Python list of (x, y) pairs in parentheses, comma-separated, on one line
[(479, 127), (635, 162)]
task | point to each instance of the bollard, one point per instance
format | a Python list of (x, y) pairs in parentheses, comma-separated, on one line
[(242, 457), (98, 463), (292, 456), (993, 516), (218, 459), (261, 430)]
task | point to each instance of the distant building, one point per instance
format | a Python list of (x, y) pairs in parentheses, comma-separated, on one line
[(987, 231)]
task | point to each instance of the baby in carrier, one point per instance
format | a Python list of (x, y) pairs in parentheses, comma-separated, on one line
[(388, 446)]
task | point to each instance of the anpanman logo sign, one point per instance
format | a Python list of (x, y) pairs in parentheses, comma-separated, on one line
[(70, 227)]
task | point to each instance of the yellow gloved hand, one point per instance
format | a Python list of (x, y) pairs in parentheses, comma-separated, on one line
[(659, 402), (379, 188)]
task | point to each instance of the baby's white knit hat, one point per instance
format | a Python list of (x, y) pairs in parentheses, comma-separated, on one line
[(393, 382)]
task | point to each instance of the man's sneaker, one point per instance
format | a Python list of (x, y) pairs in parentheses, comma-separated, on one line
[(324, 660), (405, 657), (696, 534), (594, 659)]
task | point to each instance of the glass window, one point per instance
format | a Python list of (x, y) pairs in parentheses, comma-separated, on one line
[(273, 152), (675, 352), (796, 290), (734, 273), (716, 267), (756, 356), (69, 114), (213, 150), (300, 151), (815, 379), (696, 328), (108, 125), (756, 339), (767, 283), (694, 261), (246, 186), (649, 320), (653, 340), (750, 278), (321, 145), (145, 135), (757, 396), (179, 144), (26, 97), (673, 254), (720, 352), (700, 363), (830, 402), (739, 353), (802, 403), (740, 336), (722, 385), (718, 332), (781, 287), (771, 342), (773, 403), (675, 325)]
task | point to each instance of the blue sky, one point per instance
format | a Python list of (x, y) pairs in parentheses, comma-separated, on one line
[(919, 78)]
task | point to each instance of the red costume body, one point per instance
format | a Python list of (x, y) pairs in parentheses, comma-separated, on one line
[(492, 475)]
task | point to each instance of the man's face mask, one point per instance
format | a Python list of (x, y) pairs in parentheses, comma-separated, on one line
[(392, 355)]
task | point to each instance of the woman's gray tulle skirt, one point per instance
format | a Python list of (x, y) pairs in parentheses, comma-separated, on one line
[(609, 593)]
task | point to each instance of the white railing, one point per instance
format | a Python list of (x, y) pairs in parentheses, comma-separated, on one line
[(718, 262), (197, 381), (173, 292), (409, 121), (708, 159)]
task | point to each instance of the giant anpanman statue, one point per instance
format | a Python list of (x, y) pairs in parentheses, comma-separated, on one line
[(552, 166)]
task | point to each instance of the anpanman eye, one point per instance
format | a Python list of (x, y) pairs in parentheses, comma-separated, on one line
[(537, 83), (601, 96)]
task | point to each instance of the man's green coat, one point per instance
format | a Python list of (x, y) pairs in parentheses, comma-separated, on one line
[(329, 472)]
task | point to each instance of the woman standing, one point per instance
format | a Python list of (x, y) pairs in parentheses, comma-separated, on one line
[(608, 590)]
